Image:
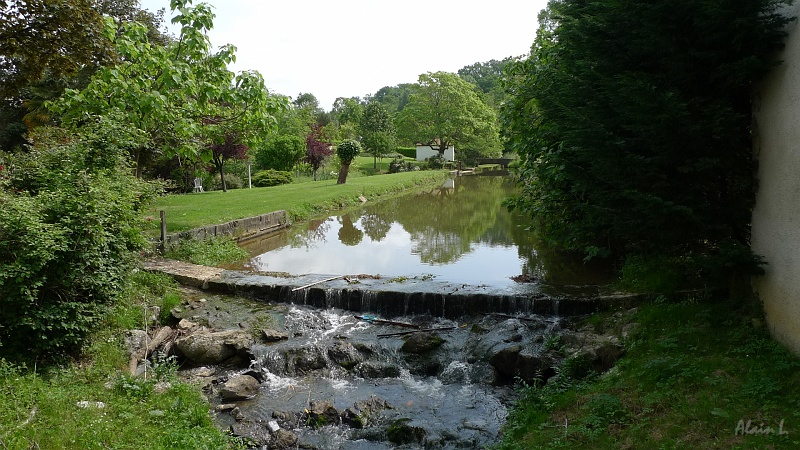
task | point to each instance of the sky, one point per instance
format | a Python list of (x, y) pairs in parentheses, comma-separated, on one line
[(352, 48)]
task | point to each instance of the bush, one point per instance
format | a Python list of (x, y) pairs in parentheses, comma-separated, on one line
[(70, 225), (400, 165), (408, 152), (435, 162), (267, 178), (208, 252), (231, 181)]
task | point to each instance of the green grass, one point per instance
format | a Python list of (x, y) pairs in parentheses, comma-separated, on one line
[(300, 200), (692, 371), (40, 406)]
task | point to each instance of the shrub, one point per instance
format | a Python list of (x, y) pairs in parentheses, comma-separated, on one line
[(435, 162), (266, 178), (231, 181), (408, 152), (70, 225), (400, 165)]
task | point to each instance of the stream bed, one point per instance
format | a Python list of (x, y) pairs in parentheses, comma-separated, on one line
[(446, 393)]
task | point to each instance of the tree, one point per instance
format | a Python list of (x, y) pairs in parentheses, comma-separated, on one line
[(377, 131), (487, 76), (393, 98), (58, 37), (346, 115), (186, 99), (347, 150), (47, 47), (445, 110), (280, 152), (646, 149), (316, 149), (230, 147)]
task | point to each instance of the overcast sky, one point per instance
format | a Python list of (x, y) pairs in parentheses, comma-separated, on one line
[(348, 48)]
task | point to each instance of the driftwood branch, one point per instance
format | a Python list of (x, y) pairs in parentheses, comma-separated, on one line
[(403, 333), (317, 282), (384, 321)]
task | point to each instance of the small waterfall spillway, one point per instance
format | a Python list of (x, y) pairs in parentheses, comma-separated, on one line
[(439, 388)]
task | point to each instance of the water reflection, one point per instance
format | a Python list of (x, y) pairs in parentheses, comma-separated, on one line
[(459, 232)]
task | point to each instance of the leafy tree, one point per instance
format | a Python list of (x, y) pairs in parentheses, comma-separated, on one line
[(58, 37), (377, 131), (445, 110), (281, 152), (393, 98), (346, 115), (186, 97), (49, 46), (230, 147), (647, 148), (316, 149), (347, 150), (487, 77)]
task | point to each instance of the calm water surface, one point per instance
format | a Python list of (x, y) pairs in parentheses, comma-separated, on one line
[(459, 232)]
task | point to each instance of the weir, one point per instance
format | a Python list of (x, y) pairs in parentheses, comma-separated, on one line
[(394, 298)]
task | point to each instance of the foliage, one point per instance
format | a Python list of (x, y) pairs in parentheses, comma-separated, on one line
[(316, 149), (635, 150), (187, 100), (393, 98), (92, 404), (267, 178), (487, 77), (55, 37), (280, 152), (408, 152), (208, 252), (435, 162), (230, 147), (70, 221), (685, 363), (444, 110), (400, 165), (347, 150), (377, 131)]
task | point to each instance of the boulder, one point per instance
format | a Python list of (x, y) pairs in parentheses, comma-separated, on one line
[(513, 362), (364, 413), (321, 413), (239, 387), (400, 432), (210, 347), (270, 335), (309, 358), (370, 369), (420, 343), (344, 354), (283, 439)]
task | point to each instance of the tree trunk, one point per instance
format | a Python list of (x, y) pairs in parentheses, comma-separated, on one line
[(345, 167)]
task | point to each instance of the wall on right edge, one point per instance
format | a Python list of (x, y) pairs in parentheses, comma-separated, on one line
[(776, 216)]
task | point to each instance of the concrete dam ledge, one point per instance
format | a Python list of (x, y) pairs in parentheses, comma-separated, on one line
[(392, 297)]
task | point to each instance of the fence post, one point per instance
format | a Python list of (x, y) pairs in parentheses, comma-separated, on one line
[(163, 215)]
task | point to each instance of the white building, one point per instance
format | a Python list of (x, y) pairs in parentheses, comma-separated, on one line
[(426, 151)]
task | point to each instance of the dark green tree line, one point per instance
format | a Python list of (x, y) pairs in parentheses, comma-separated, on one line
[(634, 122)]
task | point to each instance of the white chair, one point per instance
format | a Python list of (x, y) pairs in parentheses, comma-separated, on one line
[(198, 185)]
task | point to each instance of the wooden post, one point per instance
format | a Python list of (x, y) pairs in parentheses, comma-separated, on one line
[(163, 215)]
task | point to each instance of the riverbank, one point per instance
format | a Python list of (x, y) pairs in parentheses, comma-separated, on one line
[(299, 200), (695, 375)]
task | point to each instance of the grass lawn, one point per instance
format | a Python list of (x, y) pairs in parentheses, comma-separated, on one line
[(693, 375), (300, 200)]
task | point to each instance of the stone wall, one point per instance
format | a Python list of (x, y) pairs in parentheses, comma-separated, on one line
[(241, 228), (776, 217)]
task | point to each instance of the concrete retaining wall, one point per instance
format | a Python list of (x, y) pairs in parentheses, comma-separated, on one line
[(776, 217), (242, 229)]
